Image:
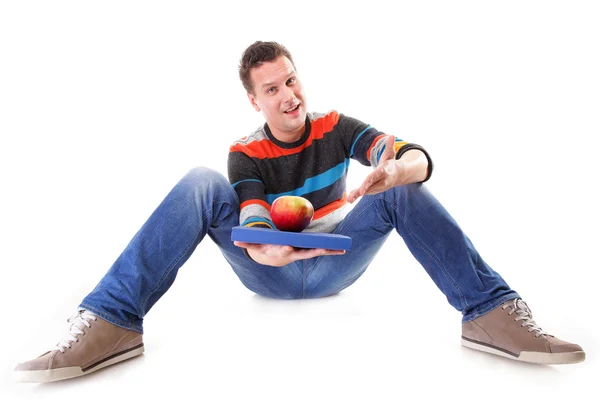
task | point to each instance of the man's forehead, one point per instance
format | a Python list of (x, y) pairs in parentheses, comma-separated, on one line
[(269, 72)]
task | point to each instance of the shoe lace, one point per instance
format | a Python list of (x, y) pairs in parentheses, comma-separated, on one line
[(77, 321), (524, 313)]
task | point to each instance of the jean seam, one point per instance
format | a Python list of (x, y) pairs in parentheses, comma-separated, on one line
[(170, 268), (303, 278), (219, 204), (345, 224), (423, 247)]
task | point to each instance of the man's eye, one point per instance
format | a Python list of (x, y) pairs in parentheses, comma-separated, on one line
[(271, 90), (292, 80)]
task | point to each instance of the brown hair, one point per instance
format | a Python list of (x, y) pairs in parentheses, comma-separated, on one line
[(257, 54)]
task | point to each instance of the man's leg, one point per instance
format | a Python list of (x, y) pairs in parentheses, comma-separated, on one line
[(108, 327), (203, 202), (432, 236), (149, 264), (495, 319)]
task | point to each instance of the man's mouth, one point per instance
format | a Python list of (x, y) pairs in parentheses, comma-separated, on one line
[(291, 110)]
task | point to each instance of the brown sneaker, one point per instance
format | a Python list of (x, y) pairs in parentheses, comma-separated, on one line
[(509, 331), (91, 344)]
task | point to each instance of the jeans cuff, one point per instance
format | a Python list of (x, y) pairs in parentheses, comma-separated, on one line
[(487, 307), (113, 320)]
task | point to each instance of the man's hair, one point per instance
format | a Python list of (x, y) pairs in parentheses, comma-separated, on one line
[(257, 54)]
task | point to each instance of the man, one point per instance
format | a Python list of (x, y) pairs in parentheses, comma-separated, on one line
[(299, 153)]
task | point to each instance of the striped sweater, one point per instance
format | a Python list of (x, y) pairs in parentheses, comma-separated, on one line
[(262, 168)]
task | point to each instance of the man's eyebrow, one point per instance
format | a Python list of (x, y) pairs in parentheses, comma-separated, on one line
[(269, 84)]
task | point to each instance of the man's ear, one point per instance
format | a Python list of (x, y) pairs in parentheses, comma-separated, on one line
[(253, 101)]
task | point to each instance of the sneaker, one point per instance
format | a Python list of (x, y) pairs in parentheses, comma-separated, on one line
[(91, 344), (509, 331)]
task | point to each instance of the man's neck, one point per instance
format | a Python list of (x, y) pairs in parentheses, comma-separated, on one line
[(288, 137)]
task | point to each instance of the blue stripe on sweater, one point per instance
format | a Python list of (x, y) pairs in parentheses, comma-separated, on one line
[(356, 140), (245, 180), (380, 153), (383, 149), (317, 182)]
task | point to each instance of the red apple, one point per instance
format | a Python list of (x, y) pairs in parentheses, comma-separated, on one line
[(291, 213)]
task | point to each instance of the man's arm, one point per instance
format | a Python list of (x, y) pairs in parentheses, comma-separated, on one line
[(245, 178), (371, 147), (409, 165)]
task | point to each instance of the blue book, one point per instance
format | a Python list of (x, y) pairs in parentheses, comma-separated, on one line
[(308, 240)]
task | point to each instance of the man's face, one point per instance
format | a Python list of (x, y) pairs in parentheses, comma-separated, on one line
[(279, 95)]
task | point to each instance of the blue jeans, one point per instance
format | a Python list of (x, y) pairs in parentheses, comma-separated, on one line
[(204, 202)]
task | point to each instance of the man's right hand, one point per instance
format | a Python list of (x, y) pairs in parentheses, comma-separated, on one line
[(279, 255)]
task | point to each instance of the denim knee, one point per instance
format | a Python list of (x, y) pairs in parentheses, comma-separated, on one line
[(207, 180), (203, 175), (411, 189)]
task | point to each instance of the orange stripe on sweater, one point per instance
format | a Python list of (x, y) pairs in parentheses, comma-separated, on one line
[(329, 208), (256, 201), (267, 149)]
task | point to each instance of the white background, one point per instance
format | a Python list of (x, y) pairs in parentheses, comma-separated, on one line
[(104, 106)]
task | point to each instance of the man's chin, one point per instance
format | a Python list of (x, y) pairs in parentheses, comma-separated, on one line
[(301, 116), (299, 119), (297, 125)]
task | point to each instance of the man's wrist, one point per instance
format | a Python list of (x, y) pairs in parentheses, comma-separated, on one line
[(417, 160), (414, 163)]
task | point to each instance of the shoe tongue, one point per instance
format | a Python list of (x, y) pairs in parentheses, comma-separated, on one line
[(522, 306), (78, 321)]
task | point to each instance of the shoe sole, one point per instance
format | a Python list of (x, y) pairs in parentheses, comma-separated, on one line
[(528, 356), (51, 375)]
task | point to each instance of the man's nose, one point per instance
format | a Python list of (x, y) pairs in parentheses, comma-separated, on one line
[(289, 96)]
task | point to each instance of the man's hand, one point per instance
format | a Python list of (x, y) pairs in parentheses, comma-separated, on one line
[(384, 177), (279, 256), (410, 168)]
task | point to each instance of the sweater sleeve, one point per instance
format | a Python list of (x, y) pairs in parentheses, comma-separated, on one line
[(365, 144), (245, 178)]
